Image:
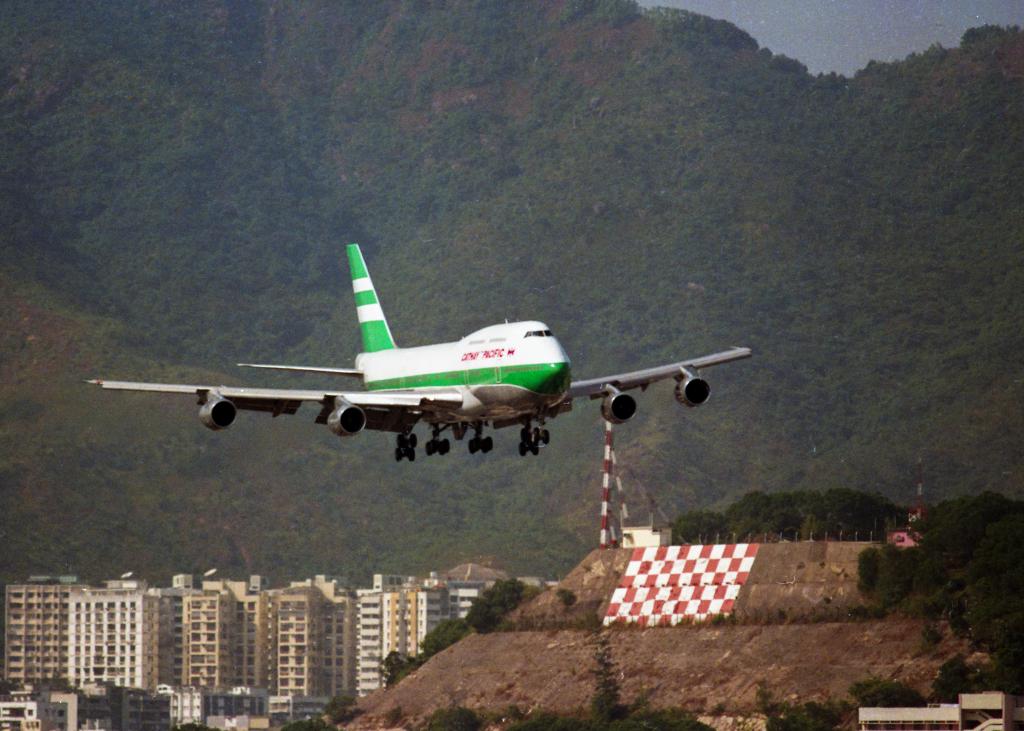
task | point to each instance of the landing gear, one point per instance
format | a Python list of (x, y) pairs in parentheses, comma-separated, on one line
[(478, 443), (436, 445), (531, 439), (406, 447)]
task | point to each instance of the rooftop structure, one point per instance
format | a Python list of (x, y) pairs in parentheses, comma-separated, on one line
[(974, 711)]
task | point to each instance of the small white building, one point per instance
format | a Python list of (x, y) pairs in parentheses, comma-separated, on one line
[(28, 714), (645, 536)]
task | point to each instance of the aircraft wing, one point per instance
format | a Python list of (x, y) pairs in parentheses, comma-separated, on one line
[(595, 387), (386, 410), (349, 372)]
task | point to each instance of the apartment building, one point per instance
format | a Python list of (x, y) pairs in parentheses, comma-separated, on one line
[(226, 635), (368, 639), (35, 628), (209, 632), (171, 668), (408, 614), (113, 635), (39, 712), (251, 653), (394, 616), (297, 619), (338, 634)]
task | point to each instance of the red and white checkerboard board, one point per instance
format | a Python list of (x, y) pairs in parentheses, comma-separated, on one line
[(671, 584)]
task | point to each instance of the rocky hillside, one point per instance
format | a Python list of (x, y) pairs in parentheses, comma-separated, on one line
[(779, 640)]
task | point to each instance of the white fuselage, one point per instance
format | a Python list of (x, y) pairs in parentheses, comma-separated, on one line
[(504, 371)]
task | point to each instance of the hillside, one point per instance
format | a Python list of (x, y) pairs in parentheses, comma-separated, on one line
[(177, 184), (783, 640), (706, 670)]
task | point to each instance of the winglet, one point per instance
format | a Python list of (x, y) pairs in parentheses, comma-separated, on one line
[(372, 324)]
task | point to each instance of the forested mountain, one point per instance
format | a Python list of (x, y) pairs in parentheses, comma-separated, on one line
[(178, 181)]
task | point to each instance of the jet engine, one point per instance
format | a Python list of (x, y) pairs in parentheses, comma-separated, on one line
[(618, 407), (347, 419), (217, 413), (691, 389)]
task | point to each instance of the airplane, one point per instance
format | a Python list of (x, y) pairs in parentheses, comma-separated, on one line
[(511, 374)]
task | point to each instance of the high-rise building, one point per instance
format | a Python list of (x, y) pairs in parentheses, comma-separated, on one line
[(172, 628), (408, 614), (113, 635), (225, 637), (297, 619), (35, 628), (338, 619), (368, 637)]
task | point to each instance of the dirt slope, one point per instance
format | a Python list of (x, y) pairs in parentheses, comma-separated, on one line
[(701, 668)]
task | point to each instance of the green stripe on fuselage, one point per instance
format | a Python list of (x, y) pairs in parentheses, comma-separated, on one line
[(543, 378)]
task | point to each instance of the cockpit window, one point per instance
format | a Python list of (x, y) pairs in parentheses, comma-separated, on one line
[(539, 334)]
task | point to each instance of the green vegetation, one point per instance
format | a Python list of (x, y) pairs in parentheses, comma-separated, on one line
[(455, 718), (341, 708), (968, 568), (605, 704), (666, 720), (489, 610), (956, 677), (838, 513), (309, 724), (882, 693), (812, 716), (177, 185)]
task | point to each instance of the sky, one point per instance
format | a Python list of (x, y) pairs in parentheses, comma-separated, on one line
[(843, 35)]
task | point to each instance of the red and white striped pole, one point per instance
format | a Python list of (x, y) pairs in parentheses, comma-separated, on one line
[(606, 482)]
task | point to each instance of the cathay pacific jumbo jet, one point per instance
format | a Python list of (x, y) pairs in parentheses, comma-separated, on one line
[(513, 374)]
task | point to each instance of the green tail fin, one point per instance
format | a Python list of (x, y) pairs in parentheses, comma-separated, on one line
[(374, 327)]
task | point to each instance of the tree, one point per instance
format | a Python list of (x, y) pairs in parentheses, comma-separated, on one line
[(396, 666), (455, 718), (955, 677), (494, 604), (341, 708), (697, 525), (308, 724), (868, 563), (881, 693), (808, 717), (565, 596), (604, 704), (444, 635)]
